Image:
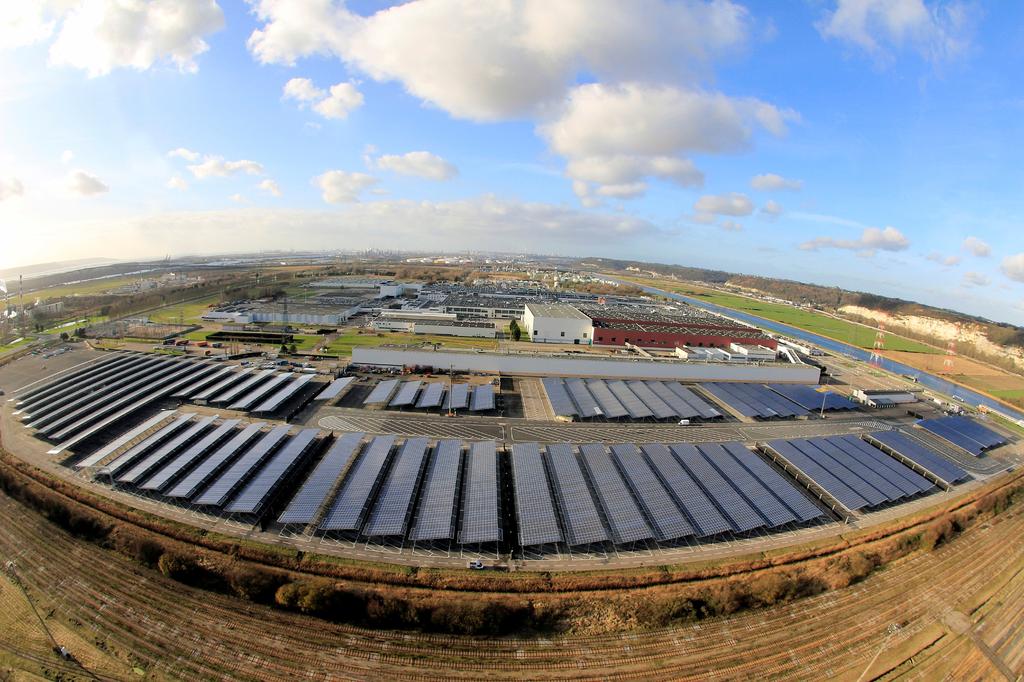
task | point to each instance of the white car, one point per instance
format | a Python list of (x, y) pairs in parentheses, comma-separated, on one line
[(475, 564), (684, 422)]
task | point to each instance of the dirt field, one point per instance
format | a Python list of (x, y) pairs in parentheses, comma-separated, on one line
[(953, 611), (993, 381)]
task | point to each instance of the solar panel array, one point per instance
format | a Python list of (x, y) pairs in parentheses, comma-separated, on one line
[(137, 472), (535, 509), (150, 442), (236, 475), (457, 398), (812, 398), (352, 503), (580, 517), (633, 399), (483, 398), (850, 471), (307, 502), (406, 394), (431, 395), (334, 388), (247, 400), (481, 520), (393, 507), (196, 387), (918, 454), (667, 521), (172, 469), (964, 433), (212, 466), (705, 516), (382, 392), (754, 400), (274, 402), (438, 505), (264, 483), (221, 386), (625, 520), (122, 440), (251, 382)]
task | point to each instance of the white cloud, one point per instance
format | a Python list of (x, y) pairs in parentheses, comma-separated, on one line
[(730, 226), (702, 218), (629, 190), (82, 184), (768, 182), (733, 204), (344, 98), (946, 261), (937, 32), (977, 247), (67, 157), (10, 188), (1013, 267), (270, 187), (871, 240), (25, 23), (624, 169), (302, 90), (237, 198), (771, 209), (976, 279), (490, 61), (183, 153), (421, 164), (340, 187), (177, 182), (99, 36), (216, 166)]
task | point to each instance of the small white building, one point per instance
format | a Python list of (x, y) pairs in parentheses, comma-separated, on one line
[(881, 398), (752, 352), (557, 323)]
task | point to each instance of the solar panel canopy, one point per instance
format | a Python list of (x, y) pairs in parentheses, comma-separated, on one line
[(312, 495)]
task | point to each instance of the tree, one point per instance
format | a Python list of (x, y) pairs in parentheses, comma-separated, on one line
[(64, 336), (293, 349), (284, 349), (513, 328)]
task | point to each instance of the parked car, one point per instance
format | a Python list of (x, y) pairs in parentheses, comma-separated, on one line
[(475, 564)]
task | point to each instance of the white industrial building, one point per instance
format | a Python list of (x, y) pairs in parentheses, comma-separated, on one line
[(752, 352), (557, 323)]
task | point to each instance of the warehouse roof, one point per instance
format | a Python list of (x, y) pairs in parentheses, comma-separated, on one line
[(562, 310)]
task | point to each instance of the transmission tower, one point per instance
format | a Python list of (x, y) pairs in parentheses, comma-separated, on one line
[(876, 351)]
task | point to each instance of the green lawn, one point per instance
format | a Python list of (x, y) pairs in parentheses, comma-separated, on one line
[(344, 344), (189, 313), (85, 288), (70, 328), (818, 323)]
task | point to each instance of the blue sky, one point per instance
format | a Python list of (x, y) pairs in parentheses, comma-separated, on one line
[(871, 144)]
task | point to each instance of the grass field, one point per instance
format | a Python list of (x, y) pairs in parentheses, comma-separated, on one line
[(189, 313), (344, 344), (83, 288), (818, 323)]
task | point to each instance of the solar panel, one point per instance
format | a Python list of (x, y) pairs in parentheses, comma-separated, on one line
[(435, 519), (483, 398), (99, 368), (310, 498), (221, 490), (257, 394), (984, 435), (821, 476), (561, 403), (658, 407), (850, 479), (666, 519), (480, 506), (85, 383), (741, 515), (382, 392), (535, 510), (255, 496), (625, 520), (55, 419), (610, 405), (580, 518), (353, 501), (249, 384), (903, 477), (927, 459), (736, 403), (767, 400), (80, 394), (759, 497), (197, 387), (390, 515), (704, 409), (585, 403), (457, 398), (221, 385), (179, 464), (802, 507), (703, 514), (634, 406), (334, 388), (678, 405), (215, 463), (866, 471), (113, 413), (148, 444), (406, 394), (945, 430), (275, 401), (141, 469), (431, 395), (124, 439), (147, 389), (811, 399)]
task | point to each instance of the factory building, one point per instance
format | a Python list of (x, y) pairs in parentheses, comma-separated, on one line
[(557, 323)]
